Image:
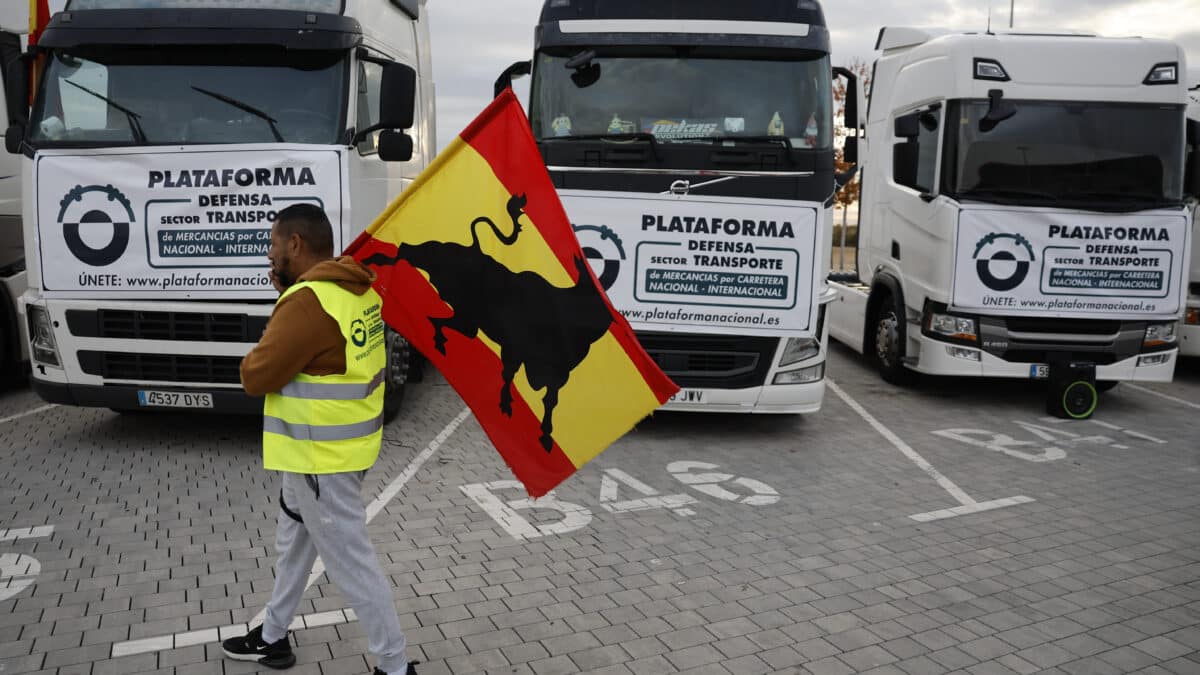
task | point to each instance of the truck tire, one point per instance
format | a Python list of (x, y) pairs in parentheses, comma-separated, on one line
[(395, 373), (888, 339)]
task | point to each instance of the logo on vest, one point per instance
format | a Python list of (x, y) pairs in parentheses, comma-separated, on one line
[(358, 332)]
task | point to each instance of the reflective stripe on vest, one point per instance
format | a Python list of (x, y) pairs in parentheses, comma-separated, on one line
[(332, 423), (325, 432), (332, 392)]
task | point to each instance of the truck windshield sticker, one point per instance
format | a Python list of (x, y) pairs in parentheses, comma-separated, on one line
[(701, 264), (194, 224), (1019, 262)]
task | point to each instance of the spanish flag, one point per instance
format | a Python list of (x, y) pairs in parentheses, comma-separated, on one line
[(479, 269)]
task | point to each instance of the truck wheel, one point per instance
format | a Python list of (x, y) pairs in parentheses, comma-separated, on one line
[(395, 373), (889, 341)]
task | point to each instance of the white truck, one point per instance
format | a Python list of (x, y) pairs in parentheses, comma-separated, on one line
[(1189, 332), (692, 146), (163, 138), (1023, 211)]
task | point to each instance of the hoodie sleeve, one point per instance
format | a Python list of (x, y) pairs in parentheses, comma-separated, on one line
[(296, 334)]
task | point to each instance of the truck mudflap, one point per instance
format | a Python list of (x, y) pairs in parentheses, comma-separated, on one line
[(1072, 392)]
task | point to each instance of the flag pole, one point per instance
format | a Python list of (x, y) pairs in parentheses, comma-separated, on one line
[(1012, 5)]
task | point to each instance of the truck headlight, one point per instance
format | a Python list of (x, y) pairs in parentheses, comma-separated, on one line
[(958, 327), (41, 336), (1192, 318), (796, 350), (1159, 335), (802, 376)]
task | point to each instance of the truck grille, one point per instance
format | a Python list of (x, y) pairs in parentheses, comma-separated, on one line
[(711, 361), (1043, 340), (125, 324), (161, 367)]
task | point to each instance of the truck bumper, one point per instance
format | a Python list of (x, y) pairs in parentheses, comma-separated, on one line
[(789, 399), (125, 397), (935, 359)]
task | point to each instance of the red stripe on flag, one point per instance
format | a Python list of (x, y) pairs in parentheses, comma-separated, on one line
[(470, 367)]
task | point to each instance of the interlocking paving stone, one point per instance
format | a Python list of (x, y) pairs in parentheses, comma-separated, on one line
[(163, 526)]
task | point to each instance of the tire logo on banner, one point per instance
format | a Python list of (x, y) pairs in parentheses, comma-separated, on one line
[(1003, 260), (105, 214), (601, 246)]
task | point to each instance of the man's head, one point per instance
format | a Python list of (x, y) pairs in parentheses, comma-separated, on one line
[(301, 237)]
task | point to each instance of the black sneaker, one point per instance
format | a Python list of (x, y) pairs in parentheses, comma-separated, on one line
[(250, 647), (411, 670)]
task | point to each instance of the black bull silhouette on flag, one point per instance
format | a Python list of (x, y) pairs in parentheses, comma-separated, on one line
[(545, 328)]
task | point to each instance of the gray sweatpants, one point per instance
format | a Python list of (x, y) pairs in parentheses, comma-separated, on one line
[(334, 527)]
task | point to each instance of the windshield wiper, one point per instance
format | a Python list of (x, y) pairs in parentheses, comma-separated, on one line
[(632, 136), (243, 106), (135, 125)]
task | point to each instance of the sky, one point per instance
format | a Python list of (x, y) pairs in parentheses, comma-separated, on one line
[(474, 40)]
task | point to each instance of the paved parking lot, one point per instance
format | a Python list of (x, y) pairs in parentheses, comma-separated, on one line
[(944, 527)]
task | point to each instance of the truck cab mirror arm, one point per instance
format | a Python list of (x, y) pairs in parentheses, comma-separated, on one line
[(518, 69)]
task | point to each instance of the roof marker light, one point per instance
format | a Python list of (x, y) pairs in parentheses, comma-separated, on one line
[(987, 69), (1163, 73)]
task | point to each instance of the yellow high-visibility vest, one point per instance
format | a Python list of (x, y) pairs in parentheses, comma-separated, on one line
[(332, 423)]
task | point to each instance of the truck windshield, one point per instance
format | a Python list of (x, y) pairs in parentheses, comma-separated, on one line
[(179, 95), (1115, 156), (685, 100)]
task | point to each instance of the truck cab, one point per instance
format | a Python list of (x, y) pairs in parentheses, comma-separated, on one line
[(162, 140), (1023, 207), (1189, 331), (692, 146)]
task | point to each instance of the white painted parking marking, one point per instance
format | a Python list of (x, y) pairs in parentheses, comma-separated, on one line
[(321, 618), (970, 508), (27, 413), (969, 505), (19, 533), (1159, 394), (1130, 432), (210, 635)]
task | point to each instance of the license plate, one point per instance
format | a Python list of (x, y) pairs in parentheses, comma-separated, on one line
[(1039, 371), (174, 399), (687, 396)]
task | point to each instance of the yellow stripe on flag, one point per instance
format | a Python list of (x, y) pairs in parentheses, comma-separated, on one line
[(452, 198)]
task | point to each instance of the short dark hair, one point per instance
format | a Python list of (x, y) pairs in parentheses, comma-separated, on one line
[(310, 222)]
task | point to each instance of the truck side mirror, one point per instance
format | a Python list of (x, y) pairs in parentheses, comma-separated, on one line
[(904, 163), (395, 146), (908, 126), (1191, 176), (397, 96), (850, 107), (850, 150), (518, 69), (13, 137)]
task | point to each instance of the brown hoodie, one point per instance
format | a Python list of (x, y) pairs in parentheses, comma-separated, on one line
[(300, 337)]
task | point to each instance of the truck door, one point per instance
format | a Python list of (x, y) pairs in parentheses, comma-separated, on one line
[(920, 228)]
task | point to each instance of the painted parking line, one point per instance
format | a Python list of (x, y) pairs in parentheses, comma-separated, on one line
[(16, 534), (967, 504), (1129, 432), (172, 641), (209, 635), (1163, 396), (27, 413)]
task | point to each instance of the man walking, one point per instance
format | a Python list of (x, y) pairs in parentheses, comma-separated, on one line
[(321, 364)]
